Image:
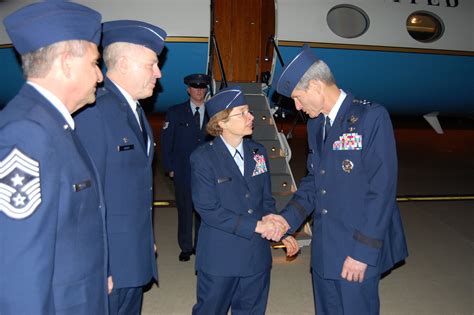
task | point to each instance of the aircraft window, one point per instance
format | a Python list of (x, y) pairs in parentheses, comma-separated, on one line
[(347, 21), (424, 26)]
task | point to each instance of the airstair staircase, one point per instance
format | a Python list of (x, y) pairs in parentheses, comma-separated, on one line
[(279, 152)]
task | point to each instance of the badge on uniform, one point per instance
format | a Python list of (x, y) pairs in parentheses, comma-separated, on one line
[(348, 141), (353, 119), (20, 187), (260, 166), (126, 147), (347, 166)]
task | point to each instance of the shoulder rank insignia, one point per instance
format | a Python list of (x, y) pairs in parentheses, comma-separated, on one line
[(363, 102), (20, 187)]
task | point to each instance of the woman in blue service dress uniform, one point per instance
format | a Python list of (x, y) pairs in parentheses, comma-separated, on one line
[(232, 193)]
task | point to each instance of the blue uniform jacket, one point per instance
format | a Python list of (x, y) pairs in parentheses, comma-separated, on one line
[(53, 258), (111, 134), (230, 206), (350, 190), (179, 138)]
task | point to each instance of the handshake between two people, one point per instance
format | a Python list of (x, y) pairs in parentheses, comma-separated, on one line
[(273, 227)]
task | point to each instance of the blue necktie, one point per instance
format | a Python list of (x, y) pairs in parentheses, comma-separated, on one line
[(237, 153), (327, 127), (197, 118), (239, 160), (142, 123)]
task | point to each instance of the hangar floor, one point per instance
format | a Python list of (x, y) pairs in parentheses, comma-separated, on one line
[(437, 278)]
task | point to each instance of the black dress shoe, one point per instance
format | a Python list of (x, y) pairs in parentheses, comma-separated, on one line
[(185, 256)]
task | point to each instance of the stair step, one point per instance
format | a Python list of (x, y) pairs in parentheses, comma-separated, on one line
[(257, 102), (282, 184), (264, 132), (262, 117), (273, 148), (247, 87), (278, 165)]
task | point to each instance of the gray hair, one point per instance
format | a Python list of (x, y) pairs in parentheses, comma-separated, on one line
[(318, 71), (114, 51), (38, 63)]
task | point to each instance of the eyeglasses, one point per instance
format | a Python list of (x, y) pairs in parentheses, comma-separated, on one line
[(242, 114)]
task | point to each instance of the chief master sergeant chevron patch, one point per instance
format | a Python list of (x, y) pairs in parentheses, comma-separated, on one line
[(20, 187)]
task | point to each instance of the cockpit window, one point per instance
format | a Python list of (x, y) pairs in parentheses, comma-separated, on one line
[(348, 21), (424, 26)]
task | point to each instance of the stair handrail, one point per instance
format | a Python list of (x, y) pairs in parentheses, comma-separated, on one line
[(215, 47), (271, 40)]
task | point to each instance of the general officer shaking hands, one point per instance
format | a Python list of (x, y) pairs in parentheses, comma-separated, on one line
[(184, 130), (350, 189), (53, 252), (116, 133)]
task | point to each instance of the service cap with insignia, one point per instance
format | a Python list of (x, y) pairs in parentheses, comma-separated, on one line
[(197, 80)]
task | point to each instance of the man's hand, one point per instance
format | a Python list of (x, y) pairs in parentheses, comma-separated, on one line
[(110, 284), (171, 174), (291, 245), (269, 230), (272, 227), (277, 219), (279, 222), (353, 270)]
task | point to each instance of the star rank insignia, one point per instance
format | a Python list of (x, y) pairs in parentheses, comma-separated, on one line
[(20, 187)]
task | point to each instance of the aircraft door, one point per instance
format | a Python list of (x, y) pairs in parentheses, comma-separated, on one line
[(242, 29)]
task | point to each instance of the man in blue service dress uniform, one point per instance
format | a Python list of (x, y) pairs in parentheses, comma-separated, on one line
[(53, 248), (184, 130), (117, 135), (350, 190), (232, 193)]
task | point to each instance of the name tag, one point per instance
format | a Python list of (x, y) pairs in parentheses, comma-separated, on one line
[(125, 147), (224, 179), (81, 186)]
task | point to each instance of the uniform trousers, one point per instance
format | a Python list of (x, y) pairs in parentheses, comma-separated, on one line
[(341, 297), (185, 206), (126, 301), (243, 295)]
